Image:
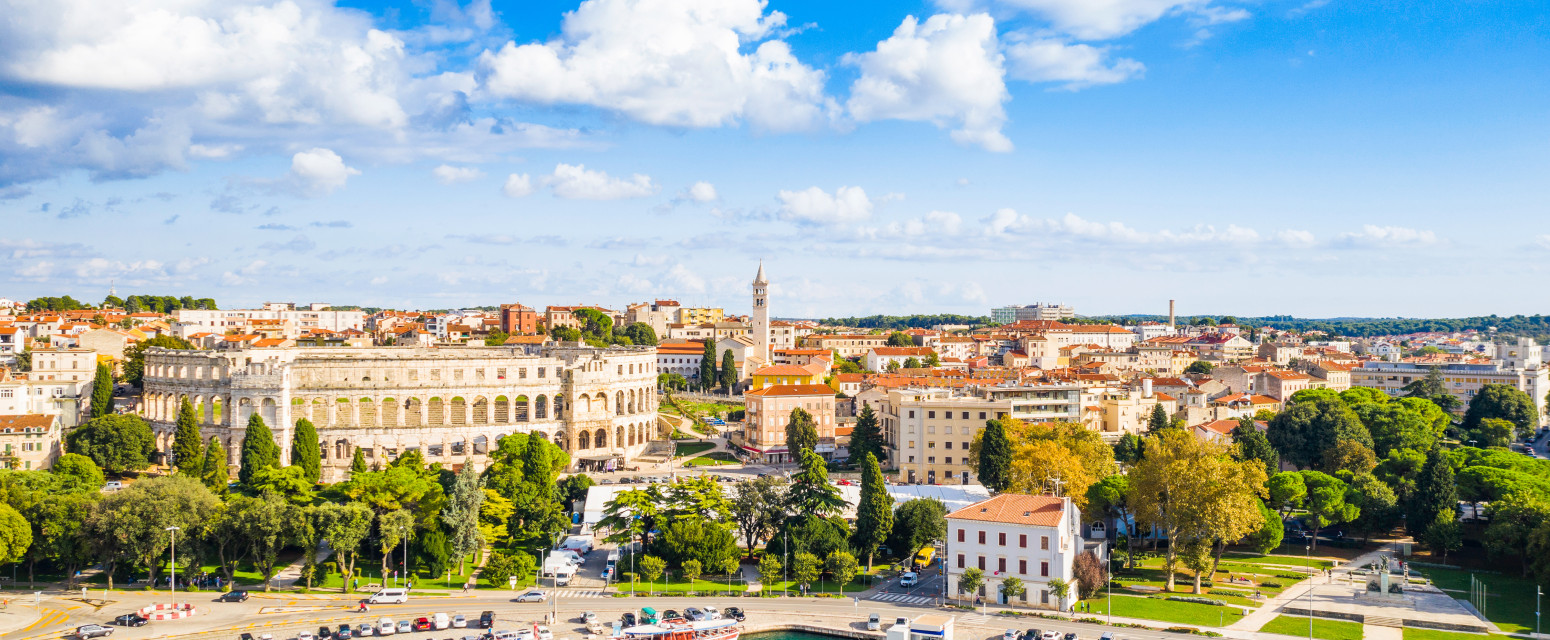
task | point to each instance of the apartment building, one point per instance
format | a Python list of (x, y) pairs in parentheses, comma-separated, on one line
[(313, 316), (928, 431), (1462, 380), (849, 345), (1034, 538), (29, 441), (769, 411)]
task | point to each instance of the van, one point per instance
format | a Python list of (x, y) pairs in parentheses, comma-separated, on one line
[(389, 596), (441, 621), (563, 579)]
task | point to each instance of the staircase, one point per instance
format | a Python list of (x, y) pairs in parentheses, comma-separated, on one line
[(1381, 621)]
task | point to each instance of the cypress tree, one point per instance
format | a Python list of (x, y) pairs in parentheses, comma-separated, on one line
[(258, 449), (304, 450), (358, 463), (215, 472), (187, 446), (728, 371), (874, 511), (995, 464), (1435, 491), (708, 365), (867, 438), (801, 433), (1159, 419), (102, 391)]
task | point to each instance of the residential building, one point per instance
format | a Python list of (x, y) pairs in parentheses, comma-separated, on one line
[(12, 342), (879, 358), (1034, 538), (519, 320), (1221, 347), (656, 314), (849, 345), (928, 431), (1035, 311), (29, 441), (787, 374), (699, 315), (1281, 383), (1462, 380), (313, 316), (769, 412), (682, 358)]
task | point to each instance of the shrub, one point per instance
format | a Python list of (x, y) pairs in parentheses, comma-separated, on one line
[(1197, 600), (1189, 630), (1270, 583)]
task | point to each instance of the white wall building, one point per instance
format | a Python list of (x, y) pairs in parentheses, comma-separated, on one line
[(314, 316), (1033, 538)]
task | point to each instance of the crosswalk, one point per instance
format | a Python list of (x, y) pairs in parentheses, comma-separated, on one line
[(581, 593), (903, 598), (975, 619)]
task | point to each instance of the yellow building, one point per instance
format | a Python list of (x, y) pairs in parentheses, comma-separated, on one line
[(787, 374), (699, 315)]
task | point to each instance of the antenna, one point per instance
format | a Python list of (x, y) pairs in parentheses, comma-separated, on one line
[(113, 288)]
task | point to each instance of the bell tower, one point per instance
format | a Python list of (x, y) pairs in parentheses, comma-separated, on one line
[(761, 316)]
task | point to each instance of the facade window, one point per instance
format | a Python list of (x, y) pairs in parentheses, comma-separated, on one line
[(965, 446), (912, 413), (1022, 567), (414, 375), (931, 460), (960, 535), (982, 537), (1001, 539), (947, 460), (982, 563), (1044, 542), (931, 414), (982, 415), (912, 459), (931, 445), (478, 374), (949, 444), (541, 372), (1044, 568), (960, 561), (457, 374), (1001, 565), (435, 374), (1022, 540), (965, 415)]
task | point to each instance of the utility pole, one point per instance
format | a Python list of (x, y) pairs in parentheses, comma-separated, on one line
[(174, 580), (1308, 552)]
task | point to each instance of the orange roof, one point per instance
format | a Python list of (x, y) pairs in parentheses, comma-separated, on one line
[(525, 340), (269, 342), (1015, 508), (26, 420), (682, 348), (793, 390), (902, 351), (783, 370)]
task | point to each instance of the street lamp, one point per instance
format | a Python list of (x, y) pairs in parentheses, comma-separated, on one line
[(1308, 551), (174, 579), (1538, 591)]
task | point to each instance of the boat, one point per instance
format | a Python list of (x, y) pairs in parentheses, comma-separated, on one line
[(680, 629)]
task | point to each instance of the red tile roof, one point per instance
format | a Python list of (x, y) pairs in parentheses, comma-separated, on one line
[(1015, 508), (793, 390)]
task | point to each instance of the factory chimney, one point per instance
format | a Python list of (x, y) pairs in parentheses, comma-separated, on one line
[(1170, 315)]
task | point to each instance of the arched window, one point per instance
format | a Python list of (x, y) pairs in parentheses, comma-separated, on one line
[(583, 440), (459, 411), (502, 410), (522, 409), (541, 409), (481, 411), (436, 411), (619, 403), (619, 436), (481, 445), (600, 439), (413, 412)]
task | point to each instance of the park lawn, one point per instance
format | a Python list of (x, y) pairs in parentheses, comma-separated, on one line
[(680, 586), (1322, 628), (691, 448), (1509, 600), (1203, 615), (1437, 634), (713, 459), (1290, 560)]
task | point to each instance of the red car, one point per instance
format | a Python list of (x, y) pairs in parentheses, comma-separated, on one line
[(422, 624)]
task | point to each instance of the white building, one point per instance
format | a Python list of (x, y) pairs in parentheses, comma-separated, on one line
[(879, 358), (1033, 538), (58, 385), (314, 316)]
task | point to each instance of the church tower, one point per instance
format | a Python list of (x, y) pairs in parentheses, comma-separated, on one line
[(761, 316)]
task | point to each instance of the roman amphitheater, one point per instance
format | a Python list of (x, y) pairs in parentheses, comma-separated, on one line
[(451, 404)]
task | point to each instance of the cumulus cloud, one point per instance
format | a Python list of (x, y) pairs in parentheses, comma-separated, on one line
[(1386, 236), (1075, 65), (813, 205), (701, 192), (947, 71), (677, 63), (448, 174), (1009, 223), (319, 172), (1092, 19), (576, 182), (518, 185)]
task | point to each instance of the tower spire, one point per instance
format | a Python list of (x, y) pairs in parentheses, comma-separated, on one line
[(759, 279)]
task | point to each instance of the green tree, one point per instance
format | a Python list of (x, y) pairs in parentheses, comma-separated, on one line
[(769, 568), (1269, 535), (102, 391), (867, 438), (805, 569), (1111, 496), (305, 451), (708, 365), (874, 511), (460, 514), (641, 333), (801, 434), (1305, 430), (1127, 450), (358, 462), (394, 528), (134, 357), (757, 506), (431, 552), (1199, 366), (268, 524), (631, 514), (187, 445), (344, 527), (893, 366), (932, 359), (537, 505), (1503, 402), (912, 363), (1376, 502), (1287, 491), (495, 338), (78, 472), (595, 325), (995, 457), (842, 567), (728, 371), (1327, 502), (215, 472), (900, 339), (1406, 423), (971, 580), (691, 570), (811, 492), (1513, 520), (502, 565), (1012, 587), (116, 442), (259, 450), (573, 489), (289, 483), (1435, 491), (1443, 534), (15, 534), (1159, 419), (1492, 432), (917, 523), (651, 568), (59, 528), (131, 526)]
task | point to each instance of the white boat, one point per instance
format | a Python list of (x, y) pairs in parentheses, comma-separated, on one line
[(679, 629)]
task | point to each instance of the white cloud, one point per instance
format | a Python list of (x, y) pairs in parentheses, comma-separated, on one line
[(1093, 19), (947, 71), (575, 182), (448, 174), (1295, 238), (666, 62), (214, 152), (318, 172), (518, 185), (1075, 65), (1006, 222), (1386, 236), (816, 206), (947, 221), (701, 192)]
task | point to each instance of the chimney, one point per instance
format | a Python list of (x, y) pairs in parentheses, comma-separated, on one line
[(1146, 388), (1170, 315)]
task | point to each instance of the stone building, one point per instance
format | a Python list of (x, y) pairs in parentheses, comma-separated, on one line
[(451, 404)]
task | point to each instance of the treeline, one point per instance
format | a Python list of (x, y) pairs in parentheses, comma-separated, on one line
[(1535, 326), (132, 304), (917, 321)]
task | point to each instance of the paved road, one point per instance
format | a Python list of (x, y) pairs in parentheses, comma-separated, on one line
[(285, 617)]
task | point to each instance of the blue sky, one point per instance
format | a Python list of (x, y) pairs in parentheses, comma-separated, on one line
[(1250, 157)]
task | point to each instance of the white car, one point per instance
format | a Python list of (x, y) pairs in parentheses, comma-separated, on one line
[(544, 633), (1011, 634), (386, 627), (711, 613), (909, 579), (459, 622), (365, 630), (1050, 635), (405, 626), (874, 622), (588, 617), (306, 635)]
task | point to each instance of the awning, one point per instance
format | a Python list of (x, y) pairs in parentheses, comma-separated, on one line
[(605, 458)]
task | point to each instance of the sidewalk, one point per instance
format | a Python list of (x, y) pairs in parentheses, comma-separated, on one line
[(291, 574), (1272, 607)]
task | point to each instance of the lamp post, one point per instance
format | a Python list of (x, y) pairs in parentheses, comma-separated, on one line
[(1538, 591), (173, 582), (1308, 551), (405, 531)]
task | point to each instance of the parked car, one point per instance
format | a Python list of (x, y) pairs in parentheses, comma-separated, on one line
[(92, 631), (365, 629), (588, 617), (694, 614), (874, 622), (404, 626), (385, 627), (344, 632), (234, 596), (533, 596), (1107, 635), (112, 485), (544, 633), (669, 614), (733, 613), (902, 620), (628, 619), (711, 613), (1051, 635), (325, 633), (1032, 634), (909, 579), (130, 620), (1070, 635), (486, 619), (459, 622), (1010, 634), (305, 636)]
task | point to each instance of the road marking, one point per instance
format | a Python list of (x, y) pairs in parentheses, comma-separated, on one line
[(902, 598)]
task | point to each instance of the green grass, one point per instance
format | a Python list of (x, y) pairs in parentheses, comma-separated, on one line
[(1322, 628), (1434, 634), (691, 448), (713, 459), (1191, 613), (1510, 599), (1290, 560)]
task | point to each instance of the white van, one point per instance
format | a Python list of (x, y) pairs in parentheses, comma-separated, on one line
[(389, 596), (441, 621)]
